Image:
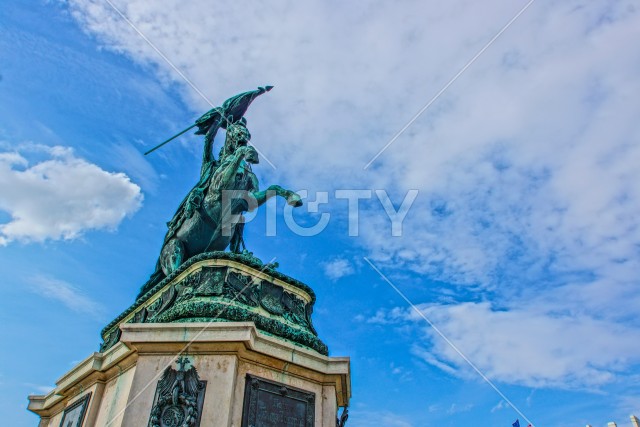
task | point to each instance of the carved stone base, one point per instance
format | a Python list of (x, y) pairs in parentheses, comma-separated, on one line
[(226, 287), (156, 373)]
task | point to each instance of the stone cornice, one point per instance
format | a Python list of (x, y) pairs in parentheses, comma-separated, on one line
[(241, 339)]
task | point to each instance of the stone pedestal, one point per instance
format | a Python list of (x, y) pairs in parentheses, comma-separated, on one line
[(122, 381), (222, 342)]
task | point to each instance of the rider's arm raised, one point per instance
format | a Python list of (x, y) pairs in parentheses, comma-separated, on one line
[(207, 154)]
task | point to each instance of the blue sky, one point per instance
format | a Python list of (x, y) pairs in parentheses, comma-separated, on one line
[(521, 247)]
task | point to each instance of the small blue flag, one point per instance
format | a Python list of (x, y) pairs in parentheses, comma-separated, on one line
[(516, 424)]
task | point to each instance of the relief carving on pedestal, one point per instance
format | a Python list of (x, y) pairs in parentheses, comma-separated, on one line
[(179, 397), (224, 293)]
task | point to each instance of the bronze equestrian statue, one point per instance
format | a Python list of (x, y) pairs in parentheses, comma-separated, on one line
[(210, 216)]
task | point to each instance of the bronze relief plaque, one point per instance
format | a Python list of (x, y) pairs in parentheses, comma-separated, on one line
[(73, 416), (271, 404)]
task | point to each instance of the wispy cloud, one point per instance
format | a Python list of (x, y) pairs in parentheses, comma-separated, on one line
[(524, 346), (338, 268), (69, 295), (456, 408), (386, 317), (400, 372), (500, 405)]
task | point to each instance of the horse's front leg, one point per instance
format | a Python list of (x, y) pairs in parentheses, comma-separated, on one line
[(292, 197)]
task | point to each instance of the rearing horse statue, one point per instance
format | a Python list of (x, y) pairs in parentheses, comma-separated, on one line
[(210, 216)]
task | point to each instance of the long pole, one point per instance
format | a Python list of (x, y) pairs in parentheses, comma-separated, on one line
[(170, 139)]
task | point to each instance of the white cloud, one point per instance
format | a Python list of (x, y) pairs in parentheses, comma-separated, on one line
[(525, 346), (69, 295), (550, 189), (386, 317), (60, 196), (338, 268)]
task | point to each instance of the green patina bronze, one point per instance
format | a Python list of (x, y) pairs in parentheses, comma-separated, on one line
[(207, 222), (210, 216), (223, 293)]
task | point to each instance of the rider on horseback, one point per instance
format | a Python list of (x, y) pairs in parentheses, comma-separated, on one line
[(207, 219)]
